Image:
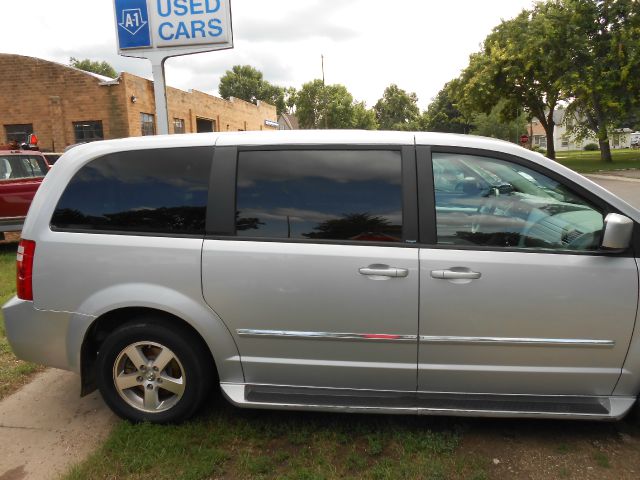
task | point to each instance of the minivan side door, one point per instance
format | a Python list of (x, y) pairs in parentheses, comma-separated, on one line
[(314, 267), (515, 295)]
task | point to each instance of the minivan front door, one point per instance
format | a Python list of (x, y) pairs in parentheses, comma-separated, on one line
[(515, 297), (319, 286)]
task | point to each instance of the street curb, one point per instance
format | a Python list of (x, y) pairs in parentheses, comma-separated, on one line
[(614, 177)]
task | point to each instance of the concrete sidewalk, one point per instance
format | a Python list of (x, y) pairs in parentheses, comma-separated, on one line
[(46, 427)]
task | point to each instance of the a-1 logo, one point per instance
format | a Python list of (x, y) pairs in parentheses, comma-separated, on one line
[(132, 20)]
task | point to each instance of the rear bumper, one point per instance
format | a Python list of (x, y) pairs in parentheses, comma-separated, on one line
[(38, 336)]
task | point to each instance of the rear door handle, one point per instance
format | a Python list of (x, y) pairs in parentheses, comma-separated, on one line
[(455, 274), (380, 271)]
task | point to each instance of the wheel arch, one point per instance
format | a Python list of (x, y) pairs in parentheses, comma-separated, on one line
[(215, 338)]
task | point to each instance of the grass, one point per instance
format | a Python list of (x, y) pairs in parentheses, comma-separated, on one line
[(13, 372), (240, 444), (601, 459), (588, 162)]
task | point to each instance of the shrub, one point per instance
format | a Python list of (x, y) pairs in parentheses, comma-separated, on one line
[(538, 149), (591, 147)]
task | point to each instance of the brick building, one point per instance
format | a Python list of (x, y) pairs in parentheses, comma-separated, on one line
[(64, 105)]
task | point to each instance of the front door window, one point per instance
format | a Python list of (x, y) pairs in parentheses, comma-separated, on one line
[(487, 202)]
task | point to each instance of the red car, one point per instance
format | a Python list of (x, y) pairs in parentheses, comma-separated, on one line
[(21, 173)]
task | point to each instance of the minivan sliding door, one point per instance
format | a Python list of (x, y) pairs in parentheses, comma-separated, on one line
[(314, 271)]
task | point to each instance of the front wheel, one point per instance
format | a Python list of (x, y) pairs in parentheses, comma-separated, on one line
[(151, 372)]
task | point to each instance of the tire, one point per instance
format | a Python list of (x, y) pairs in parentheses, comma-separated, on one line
[(151, 371)]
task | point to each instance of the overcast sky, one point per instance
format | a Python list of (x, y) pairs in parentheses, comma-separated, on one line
[(367, 44)]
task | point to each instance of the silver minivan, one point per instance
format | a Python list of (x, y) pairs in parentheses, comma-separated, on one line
[(388, 272)]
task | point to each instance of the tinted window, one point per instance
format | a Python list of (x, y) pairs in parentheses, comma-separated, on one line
[(489, 202), (21, 166), (150, 191), (332, 195)]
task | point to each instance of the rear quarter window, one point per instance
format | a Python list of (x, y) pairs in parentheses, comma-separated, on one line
[(148, 191), (14, 167)]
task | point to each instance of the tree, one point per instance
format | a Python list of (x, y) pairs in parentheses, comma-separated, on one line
[(247, 83), (331, 106), (443, 115), (493, 124), (364, 118), (525, 63), (397, 109), (242, 81), (101, 68), (604, 66)]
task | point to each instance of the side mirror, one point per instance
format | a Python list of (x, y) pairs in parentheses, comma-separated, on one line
[(617, 232)]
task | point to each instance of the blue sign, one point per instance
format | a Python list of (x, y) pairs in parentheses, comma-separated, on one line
[(133, 24)]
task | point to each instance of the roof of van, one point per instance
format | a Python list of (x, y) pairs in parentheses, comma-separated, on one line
[(305, 137)]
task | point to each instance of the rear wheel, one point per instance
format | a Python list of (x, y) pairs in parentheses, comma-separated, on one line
[(153, 372)]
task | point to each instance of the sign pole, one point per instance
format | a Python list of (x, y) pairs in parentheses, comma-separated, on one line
[(160, 93)]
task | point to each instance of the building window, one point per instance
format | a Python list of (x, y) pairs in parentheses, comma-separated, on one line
[(178, 125), (89, 131), (204, 125), (147, 121), (18, 132)]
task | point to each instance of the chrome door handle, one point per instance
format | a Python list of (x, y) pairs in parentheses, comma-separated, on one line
[(455, 274), (384, 271)]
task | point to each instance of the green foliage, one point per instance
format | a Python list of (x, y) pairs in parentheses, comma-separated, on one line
[(586, 162), (591, 147), (605, 50), (231, 443), (538, 149), (523, 65), (242, 81), (397, 109), (602, 460), (101, 68), (494, 124), (364, 118), (331, 106), (247, 83), (443, 114)]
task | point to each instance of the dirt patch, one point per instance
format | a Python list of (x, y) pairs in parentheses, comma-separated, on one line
[(540, 449)]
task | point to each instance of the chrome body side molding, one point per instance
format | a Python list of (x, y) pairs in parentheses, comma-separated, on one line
[(543, 342), (244, 332)]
